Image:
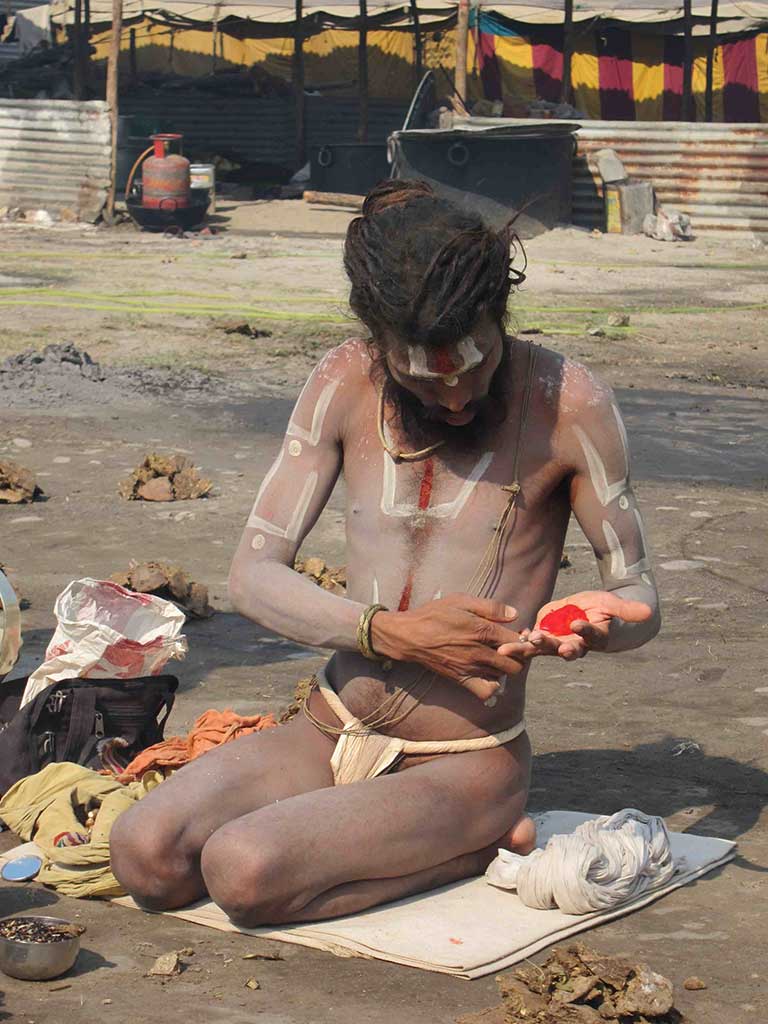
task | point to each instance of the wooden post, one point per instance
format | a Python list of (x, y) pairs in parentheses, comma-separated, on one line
[(462, 36), (132, 56), (78, 85), (566, 90), (215, 39), (298, 86), (113, 61), (418, 43), (689, 113), (85, 48), (362, 72), (708, 103)]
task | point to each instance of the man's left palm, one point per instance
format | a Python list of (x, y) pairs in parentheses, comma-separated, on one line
[(600, 608)]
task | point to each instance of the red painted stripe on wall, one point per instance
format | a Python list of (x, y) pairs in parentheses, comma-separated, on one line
[(741, 96)]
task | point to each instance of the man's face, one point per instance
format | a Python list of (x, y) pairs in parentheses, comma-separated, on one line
[(451, 384)]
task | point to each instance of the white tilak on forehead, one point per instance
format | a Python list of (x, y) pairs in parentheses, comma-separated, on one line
[(469, 356)]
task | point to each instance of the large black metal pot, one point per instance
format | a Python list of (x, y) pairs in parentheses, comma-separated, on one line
[(496, 170)]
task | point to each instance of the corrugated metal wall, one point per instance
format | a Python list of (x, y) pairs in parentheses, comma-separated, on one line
[(716, 173), (252, 128), (55, 155)]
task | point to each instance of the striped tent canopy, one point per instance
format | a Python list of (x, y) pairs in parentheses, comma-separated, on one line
[(620, 70)]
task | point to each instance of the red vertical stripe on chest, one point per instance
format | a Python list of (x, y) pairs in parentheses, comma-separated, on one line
[(425, 496), (425, 491)]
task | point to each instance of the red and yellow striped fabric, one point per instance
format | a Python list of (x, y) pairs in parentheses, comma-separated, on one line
[(619, 74)]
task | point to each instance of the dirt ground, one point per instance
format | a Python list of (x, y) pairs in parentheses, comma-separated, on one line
[(678, 728)]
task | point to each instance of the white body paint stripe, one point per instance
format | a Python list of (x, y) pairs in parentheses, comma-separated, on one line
[(292, 531), (448, 510), (312, 436), (619, 568), (606, 493)]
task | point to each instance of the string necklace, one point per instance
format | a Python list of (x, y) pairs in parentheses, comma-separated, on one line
[(394, 453)]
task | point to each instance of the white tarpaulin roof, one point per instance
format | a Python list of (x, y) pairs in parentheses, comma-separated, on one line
[(738, 16)]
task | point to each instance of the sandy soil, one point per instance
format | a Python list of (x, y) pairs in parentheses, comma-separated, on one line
[(677, 728)]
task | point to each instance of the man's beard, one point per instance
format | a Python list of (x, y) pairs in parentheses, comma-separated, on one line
[(424, 426)]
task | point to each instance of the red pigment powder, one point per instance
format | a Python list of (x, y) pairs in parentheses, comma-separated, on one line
[(559, 621)]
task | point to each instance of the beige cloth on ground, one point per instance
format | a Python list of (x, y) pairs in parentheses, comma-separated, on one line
[(363, 753), (468, 929), (57, 799)]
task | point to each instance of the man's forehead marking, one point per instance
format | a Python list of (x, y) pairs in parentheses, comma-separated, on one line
[(444, 363)]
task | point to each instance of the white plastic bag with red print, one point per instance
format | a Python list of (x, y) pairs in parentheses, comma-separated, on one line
[(107, 632)]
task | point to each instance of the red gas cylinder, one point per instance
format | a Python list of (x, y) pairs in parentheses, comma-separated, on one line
[(165, 177)]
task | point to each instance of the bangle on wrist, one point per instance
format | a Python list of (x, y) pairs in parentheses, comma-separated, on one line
[(364, 644)]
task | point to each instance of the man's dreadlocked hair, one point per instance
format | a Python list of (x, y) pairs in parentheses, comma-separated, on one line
[(422, 268)]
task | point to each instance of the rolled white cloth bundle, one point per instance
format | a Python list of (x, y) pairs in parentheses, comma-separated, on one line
[(604, 862)]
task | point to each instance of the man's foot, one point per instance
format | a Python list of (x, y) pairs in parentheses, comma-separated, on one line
[(522, 838)]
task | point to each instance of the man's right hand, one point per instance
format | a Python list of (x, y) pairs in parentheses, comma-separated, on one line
[(456, 637)]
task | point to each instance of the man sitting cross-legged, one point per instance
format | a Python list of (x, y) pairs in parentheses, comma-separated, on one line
[(464, 452)]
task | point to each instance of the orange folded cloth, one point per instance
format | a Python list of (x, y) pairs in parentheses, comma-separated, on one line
[(210, 730)]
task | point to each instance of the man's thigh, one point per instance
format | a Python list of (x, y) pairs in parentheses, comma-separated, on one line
[(237, 779), (386, 827)]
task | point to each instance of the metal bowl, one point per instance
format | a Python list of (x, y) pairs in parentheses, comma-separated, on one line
[(38, 961)]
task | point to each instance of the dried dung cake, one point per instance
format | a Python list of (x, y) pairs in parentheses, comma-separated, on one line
[(164, 478), (577, 985), (168, 581), (17, 483), (326, 576)]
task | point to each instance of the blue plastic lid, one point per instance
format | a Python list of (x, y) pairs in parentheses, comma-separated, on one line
[(21, 869)]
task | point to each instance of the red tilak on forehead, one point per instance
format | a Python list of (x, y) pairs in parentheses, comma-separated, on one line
[(442, 361)]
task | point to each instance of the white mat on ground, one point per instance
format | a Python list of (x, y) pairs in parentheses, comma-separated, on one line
[(468, 929)]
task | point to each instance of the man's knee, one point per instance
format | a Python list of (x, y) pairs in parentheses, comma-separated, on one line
[(149, 860), (250, 881)]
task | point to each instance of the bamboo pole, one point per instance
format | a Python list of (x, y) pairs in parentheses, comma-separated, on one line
[(566, 90), (78, 85), (298, 86), (362, 72), (689, 113), (85, 49), (418, 42), (708, 105), (132, 56), (215, 38), (113, 61), (462, 36)]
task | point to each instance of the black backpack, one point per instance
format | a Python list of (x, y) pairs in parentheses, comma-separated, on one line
[(99, 723)]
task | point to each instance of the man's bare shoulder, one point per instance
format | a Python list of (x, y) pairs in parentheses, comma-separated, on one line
[(569, 388), (348, 363)]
